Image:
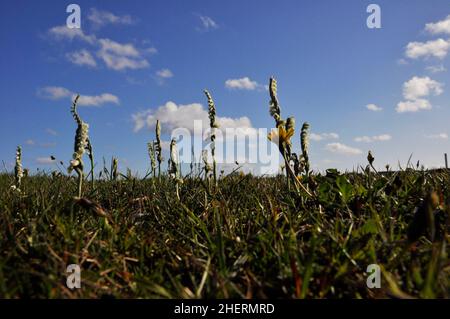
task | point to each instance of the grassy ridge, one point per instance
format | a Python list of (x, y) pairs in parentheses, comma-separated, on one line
[(248, 237)]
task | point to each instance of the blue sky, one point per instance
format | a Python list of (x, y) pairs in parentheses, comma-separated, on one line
[(130, 58)]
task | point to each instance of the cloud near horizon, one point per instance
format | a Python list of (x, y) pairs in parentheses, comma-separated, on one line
[(173, 116), (342, 149), (376, 138)]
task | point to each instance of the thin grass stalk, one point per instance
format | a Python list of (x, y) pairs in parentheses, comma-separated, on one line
[(151, 154), (91, 159)]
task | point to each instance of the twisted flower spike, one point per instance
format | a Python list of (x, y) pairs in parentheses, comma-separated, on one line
[(114, 170), (304, 141), (274, 107), (211, 110), (174, 169), (158, 147), (18, 170), (213, 125), (81, 143), (174, 158)]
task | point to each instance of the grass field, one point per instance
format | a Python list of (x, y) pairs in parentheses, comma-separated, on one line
[(247, 237)]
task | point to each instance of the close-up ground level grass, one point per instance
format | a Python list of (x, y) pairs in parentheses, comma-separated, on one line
[(244, 237)]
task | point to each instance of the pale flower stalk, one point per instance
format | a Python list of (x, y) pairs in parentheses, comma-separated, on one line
[(81, 143)]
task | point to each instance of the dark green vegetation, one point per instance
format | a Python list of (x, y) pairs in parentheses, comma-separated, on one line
[(247, 237)]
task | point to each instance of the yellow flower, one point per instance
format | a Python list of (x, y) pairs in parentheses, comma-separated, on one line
[(281, 135)]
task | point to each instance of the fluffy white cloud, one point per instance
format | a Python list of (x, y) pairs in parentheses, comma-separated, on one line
[(54, 92), (117, 48), (415, 90), (242, 84), (100, 18), (440, 136), (343, 149), (57, 93), (119, 56), (323, 136), (373, 107), (376, 138), (207, 23), (172, 116), (419, 87), (116, 56), (63, 32), (439, 27), (164, 74), (434, 48), (97, 100), (82, 57), (413, 106)]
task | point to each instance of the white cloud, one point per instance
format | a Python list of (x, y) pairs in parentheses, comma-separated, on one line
[(434, 48), (116, 56), (54, 92), (441, 136), (242, 84), (376, 138), (420, 87), (101, 18), (57, 93), (30, 142), (172, 116), (373, 107), (164, 73), (118, 48), (97, 100), (323, 136), (82, 57), (342, 149), (207, 23), (44, 160), (436, 68), (413, 106), (415, 90), (442, 26), (119, 56), (63, 32)]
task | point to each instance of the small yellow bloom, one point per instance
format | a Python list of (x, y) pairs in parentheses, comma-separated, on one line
[(281, 135)]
